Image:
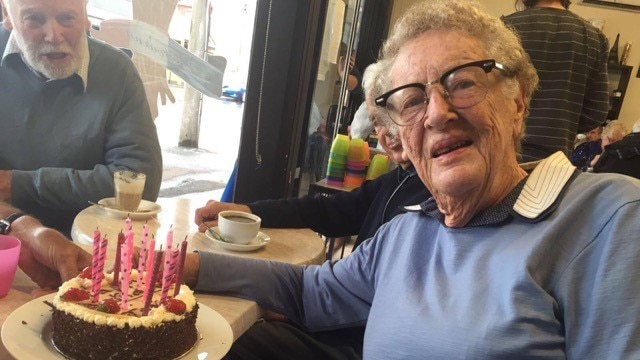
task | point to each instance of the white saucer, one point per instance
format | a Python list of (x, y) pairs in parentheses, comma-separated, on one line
[(146, 209), (26, 333), (256, 243)]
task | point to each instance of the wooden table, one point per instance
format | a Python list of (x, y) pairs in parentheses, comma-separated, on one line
[(293, 246), (296, 246)]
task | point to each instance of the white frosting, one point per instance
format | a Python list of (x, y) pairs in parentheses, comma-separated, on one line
[(156, 315)]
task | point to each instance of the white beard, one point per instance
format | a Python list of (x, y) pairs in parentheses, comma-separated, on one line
[(33, 54)]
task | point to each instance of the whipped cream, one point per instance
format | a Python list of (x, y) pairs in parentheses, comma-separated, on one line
[(86, 310)]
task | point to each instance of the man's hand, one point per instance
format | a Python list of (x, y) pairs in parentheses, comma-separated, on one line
[(209, 213), (47, 256)]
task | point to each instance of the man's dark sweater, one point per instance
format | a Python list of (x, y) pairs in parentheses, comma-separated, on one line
[(360, 211)]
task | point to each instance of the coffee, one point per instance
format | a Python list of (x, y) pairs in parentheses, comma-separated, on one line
[(241, 219), (128, 201), (238, 227), (129, 186)]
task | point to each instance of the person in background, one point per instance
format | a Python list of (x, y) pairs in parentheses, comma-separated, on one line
[(360, 211), (612, 132), (362, 126), (497, 264), (620, 156), (73, 111), (570, 56), (318, 142), (580, 138), (355, 94), (46, 256), (584, 153), (353, 79)]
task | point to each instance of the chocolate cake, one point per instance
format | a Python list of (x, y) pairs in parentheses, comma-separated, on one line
[(87, 330)]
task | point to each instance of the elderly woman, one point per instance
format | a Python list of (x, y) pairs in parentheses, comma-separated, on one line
[(613, 132), (621, 153), (497, 264)]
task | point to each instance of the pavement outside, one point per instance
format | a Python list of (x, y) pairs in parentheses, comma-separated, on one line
[(200, 173)]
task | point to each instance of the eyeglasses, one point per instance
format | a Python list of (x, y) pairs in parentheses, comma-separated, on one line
[(464, 86)]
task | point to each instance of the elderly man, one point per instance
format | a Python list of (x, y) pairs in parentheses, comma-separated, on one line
[(73, 111), (497, 264)]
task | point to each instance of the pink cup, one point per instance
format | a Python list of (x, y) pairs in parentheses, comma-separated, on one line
[(9, 254)]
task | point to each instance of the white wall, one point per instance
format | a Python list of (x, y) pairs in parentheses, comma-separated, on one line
[(624, 22)]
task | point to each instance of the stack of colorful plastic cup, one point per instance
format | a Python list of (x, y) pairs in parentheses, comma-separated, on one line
[(357, 163), (337, 160), (379, 165)]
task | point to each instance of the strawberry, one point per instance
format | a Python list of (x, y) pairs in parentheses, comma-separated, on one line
[(86, 273), (109, 306), (175, 306), (75, 294)]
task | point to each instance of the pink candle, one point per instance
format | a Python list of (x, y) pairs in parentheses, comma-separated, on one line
[(170, 238), (154, 278), (168, 275), (125, 276), (129, 239), (102, 258), (149, 267), (143, 256), (127, 223), (183, 255), (170, 261), (116, 265), (95, 262)]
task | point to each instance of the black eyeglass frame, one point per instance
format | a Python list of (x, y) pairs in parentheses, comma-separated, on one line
[(486, 65)]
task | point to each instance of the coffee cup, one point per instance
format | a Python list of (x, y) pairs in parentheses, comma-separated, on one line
[(9, 255), (238, 227), (129, 186)]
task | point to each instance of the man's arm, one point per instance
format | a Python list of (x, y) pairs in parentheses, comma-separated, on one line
[(46, 256), (130, 141)]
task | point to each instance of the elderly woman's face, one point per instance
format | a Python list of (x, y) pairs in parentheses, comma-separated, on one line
[(390, 142), (457, 152), (388, 139)]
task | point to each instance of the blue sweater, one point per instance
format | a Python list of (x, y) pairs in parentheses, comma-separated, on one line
[(64, 142), (563, 284)]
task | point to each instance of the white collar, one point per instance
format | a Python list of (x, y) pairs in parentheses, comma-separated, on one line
[(83, 71), (544, 185)]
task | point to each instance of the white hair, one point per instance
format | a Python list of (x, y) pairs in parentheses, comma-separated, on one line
[(466, 16), (369, 76), (614, 131)]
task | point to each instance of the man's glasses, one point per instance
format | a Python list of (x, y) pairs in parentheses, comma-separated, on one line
[(464, 86)]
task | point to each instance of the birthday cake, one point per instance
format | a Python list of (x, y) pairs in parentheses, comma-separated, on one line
[(83, 328)]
